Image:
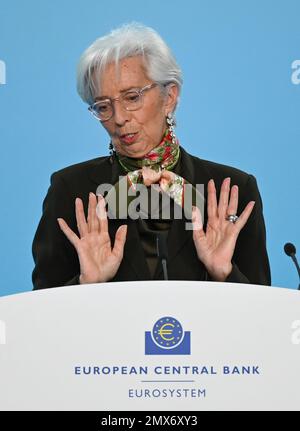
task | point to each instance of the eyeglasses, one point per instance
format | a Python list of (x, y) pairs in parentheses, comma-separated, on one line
[(131, 100)]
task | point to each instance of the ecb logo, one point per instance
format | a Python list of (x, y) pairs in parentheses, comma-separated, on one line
[(167, 338)]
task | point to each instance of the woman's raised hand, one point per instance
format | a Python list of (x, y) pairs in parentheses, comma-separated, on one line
[(99, 262), (215, 246)]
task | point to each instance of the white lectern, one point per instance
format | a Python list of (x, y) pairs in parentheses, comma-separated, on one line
[(161, 345)]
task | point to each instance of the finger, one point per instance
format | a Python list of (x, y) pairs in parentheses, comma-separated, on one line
[(150, 176), (212, 208), (93, 221), (223, 199), (102, 214), (72, 237), (233, 201), (243, 218), (120, 239), (198, 231), (80, 218)]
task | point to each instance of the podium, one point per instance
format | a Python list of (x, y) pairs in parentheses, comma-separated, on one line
[(151, 345)]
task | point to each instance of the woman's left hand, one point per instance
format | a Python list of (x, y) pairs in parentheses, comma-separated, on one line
[(215, 246)]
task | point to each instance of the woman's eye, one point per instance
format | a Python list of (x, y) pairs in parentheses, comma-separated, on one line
[(131, 97), (102, 108)]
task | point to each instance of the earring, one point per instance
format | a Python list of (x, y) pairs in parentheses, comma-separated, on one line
[(111, 152), (171, 125)]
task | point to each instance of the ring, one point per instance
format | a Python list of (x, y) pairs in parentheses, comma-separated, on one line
[(232, 218)]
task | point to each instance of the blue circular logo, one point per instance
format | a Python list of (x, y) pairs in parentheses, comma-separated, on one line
[(167, 333)]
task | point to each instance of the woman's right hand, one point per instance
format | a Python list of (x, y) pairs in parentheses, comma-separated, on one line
[(99, 262)]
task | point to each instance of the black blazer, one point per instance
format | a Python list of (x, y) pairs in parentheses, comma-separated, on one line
[(56, 261)]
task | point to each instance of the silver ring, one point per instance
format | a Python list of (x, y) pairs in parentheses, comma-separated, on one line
[(232, 218)]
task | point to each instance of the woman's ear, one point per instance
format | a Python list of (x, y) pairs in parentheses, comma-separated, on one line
[(171, 98)]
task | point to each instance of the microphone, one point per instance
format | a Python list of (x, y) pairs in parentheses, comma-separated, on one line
[(290, 250), (162, 252)]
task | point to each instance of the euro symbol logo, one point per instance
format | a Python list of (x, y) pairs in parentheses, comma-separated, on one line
[(167, 332), (167, 338), (163, 332)]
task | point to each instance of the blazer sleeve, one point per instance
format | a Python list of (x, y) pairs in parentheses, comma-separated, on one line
[(56, 260), (250, 259)]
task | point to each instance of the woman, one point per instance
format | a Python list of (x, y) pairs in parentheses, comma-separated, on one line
[(132, 83)]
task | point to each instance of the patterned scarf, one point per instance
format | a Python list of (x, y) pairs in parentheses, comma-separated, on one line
[(154, 168), (164, 156)]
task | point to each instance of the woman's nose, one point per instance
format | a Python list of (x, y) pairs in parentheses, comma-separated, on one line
[(121, 116)]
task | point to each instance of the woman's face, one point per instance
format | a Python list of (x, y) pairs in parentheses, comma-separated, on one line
[(148, 123)]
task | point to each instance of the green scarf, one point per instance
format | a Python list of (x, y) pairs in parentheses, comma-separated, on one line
[(161, 159), (164, 156)]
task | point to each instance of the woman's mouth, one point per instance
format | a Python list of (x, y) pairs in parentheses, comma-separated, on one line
[(129, 138)]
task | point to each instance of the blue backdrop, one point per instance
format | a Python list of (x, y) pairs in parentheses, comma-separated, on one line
[(239, 106)]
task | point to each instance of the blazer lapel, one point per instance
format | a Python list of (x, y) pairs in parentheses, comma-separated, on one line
[(134, 259), (178, 235)]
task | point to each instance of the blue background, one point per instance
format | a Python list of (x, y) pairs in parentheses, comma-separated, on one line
[(238, 105)]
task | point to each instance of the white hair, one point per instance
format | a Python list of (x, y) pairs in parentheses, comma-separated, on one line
[(127, 41)]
